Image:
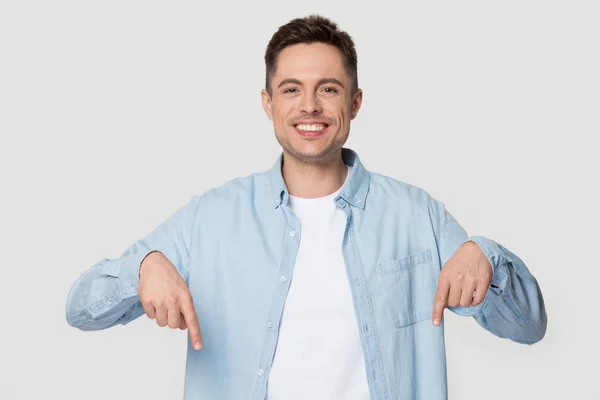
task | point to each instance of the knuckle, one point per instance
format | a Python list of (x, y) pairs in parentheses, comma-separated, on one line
[(147, 302), (185, 297)]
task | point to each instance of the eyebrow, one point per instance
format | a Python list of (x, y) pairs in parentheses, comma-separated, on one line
[(321, 82)]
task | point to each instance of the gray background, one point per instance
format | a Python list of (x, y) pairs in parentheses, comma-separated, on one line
[(114, 113)]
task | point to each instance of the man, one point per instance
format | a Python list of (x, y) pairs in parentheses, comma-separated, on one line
[(316, 279)]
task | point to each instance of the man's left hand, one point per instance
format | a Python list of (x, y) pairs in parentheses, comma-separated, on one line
[(467, 271)]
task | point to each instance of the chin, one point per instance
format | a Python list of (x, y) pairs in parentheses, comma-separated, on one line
[(311, 153)]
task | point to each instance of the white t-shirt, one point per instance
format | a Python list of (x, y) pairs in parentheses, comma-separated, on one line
[(319, 354)]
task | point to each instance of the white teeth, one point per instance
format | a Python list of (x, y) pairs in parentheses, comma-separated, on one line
[(312, 128)]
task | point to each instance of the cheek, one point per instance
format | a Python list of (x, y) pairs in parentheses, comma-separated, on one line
[(343, 116), (339, 110), (281, 112)]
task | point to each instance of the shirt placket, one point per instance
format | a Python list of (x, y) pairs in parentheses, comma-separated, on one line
[(363, 307), (291, 245)]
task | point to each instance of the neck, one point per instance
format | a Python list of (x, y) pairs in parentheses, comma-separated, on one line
[(313, 180)]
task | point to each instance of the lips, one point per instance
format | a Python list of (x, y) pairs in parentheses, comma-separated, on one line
[(311, 131)]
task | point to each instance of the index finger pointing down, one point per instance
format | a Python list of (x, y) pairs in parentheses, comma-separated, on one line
[(191, 319)]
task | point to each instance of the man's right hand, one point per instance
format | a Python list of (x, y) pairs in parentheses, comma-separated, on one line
[(166, 297)]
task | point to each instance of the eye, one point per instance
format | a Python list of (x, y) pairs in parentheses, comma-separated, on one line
[(330, 90), (290, 90)]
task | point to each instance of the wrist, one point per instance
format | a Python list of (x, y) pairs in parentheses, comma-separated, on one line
[(150, 258)]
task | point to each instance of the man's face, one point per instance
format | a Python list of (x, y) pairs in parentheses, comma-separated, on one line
[(311, 104)]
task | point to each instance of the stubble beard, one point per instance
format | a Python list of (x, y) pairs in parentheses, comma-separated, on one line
[(325, 156)]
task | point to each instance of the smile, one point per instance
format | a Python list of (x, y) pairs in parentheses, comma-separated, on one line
[(311, 130)]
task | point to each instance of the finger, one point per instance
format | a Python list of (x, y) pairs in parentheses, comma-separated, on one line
[(174, 316), (191, 319), (182, 324), (454, 296), (149, 309), (440, 302), (480, 293), (161, 316), (466, 297)]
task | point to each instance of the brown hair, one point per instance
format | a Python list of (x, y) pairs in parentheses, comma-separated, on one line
[(311, 29)]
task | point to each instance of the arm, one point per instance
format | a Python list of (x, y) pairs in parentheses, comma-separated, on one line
[(513, 307), (106, 294)]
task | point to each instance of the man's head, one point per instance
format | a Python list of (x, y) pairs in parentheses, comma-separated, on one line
[(311, 92)]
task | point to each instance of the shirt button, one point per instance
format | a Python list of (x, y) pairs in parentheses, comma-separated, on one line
[(283, 279), (269, 324), (260, 372), (293, 233)]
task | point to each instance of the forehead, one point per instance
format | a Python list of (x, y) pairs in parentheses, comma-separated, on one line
[(306, 61)]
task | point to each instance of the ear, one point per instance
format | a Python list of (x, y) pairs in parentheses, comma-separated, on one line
[(266, 103), (356, 102)]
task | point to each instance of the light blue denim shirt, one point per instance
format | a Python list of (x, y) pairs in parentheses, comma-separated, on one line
[(236, 247)]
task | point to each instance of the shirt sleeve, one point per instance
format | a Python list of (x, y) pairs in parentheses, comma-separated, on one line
[(513, 307), (106, 293)]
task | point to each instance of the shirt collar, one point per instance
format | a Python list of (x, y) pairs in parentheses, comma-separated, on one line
[(354, 191)]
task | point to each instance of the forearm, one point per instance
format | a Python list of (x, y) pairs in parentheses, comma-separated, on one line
[(514, 306), (106, 294)]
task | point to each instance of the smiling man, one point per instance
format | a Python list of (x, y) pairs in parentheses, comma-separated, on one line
[(316, 279)]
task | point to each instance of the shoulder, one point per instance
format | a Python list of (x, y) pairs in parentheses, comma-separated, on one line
[(399, 198), (387, 188), (238, 190)]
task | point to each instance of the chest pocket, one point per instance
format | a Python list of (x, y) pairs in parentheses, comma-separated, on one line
[(409, 284)]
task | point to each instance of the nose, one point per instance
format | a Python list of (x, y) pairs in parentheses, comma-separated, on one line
[(310, 104)]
